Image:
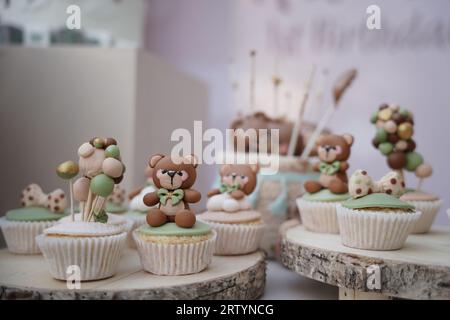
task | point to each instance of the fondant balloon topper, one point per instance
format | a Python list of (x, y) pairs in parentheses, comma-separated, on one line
[(394, 139), (101, 168)]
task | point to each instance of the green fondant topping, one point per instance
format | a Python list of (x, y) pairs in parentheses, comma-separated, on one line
[(135, 213), (326, 195), (171, 229), (114, 208), (33, 214), (377, 200)]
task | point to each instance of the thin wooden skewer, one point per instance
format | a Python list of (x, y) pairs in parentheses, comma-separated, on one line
[(299, 121)]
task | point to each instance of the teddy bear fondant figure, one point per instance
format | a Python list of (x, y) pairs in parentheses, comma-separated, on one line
[(237, 181), (173, 180), (333, 151)]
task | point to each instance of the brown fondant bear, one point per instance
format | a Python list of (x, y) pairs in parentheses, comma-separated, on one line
[(237, 181), (333, 151), (174, 180)]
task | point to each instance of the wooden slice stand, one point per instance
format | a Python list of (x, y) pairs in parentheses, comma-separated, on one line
[(420, 270), (237, 277)]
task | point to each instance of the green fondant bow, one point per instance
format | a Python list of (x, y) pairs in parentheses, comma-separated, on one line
[(330, 169), (176, 196), (226, 188)]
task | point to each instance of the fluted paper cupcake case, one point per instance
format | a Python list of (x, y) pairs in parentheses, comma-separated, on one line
[(319, 216), (236, 239), (429, 210), (375, 230), (97, 257), (175, 259), (20, 236)]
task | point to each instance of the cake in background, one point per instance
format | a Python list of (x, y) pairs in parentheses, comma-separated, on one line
[(92, 239), (239, 228), (394, 139), (275, 195), (39, 211)]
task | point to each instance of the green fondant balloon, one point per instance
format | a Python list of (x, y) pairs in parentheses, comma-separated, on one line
[(381, 135), (374, 117), (413, 160), (404, 112), (386, 148), (113, 151), (102, 185)]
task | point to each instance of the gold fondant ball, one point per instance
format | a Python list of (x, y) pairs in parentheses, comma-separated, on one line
[(405, 131), (385, 114)]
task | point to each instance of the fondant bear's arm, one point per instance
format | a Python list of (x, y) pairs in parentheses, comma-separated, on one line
[(151, 199), (344, 166), (213, 192), (134, 193), (192, 196), (315, 167)]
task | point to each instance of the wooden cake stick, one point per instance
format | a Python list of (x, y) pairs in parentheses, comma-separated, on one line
[(338, 91), (299, 121), (252, 80)]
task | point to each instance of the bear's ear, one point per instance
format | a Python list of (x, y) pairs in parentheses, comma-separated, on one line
[(348, 138), (224, 169), (320, 140), (254, 167), (191, 159), (155, 159)]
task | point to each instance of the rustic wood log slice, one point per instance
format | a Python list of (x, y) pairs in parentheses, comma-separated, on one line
[(236, 277), (420, 270)]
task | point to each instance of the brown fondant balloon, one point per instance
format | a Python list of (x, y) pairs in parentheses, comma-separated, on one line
[(411, 145), (393, 138), (396, 160), (110, 142), (397, 118), (375, 142), (118, 180)]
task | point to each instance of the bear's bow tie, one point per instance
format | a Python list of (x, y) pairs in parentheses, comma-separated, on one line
[(226, 188), (33, 196), (361, 184), (330, 169), (176, 196)]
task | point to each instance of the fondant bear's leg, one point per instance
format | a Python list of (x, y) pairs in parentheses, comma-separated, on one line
[(215, 202), (338, 186), (313, 186), (230, 205), (185, 219), (156, 218)]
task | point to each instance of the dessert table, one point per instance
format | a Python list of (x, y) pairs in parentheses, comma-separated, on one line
[(236, 277), (420, 270)]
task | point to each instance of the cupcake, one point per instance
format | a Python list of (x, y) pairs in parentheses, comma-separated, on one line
[(318, 206), (427, 204), (93, 240), (375, 219), (39, 211), (173, 242), (239, 228), (94, 247), (171, 250)]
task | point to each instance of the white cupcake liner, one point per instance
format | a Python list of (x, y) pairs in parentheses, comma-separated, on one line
[(319, 216), (97, 257), (237, 239), (20, 235), (375, 230), (175, 259), (429, 211)]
